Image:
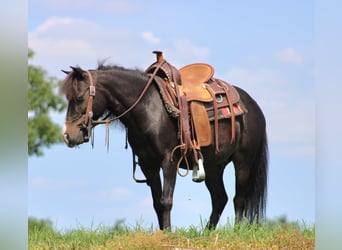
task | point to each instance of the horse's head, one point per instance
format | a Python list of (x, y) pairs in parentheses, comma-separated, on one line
[(79, 90)]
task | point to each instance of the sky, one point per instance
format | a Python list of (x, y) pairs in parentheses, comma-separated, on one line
[(264, 47)]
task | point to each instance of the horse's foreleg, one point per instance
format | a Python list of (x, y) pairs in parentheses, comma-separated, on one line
[(169, 174), (219, 198), (153, 180)]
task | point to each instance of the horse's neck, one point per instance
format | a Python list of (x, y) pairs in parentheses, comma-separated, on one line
[(118, 88), (126, 91)]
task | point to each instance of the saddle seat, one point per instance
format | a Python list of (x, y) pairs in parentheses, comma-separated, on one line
[(193, 78)]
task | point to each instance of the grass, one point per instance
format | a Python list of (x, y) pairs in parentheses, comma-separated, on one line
[(245, 236)]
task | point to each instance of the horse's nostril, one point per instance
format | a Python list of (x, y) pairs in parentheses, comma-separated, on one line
[(66, 138)]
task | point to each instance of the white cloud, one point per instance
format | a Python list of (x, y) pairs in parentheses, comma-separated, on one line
[(119, 192), (150, 38), (301, 150), (287, 103), (61, 42), (257, 77), (185, 50), (93, 6), (116, 193), (43, 183), (146, 203), (117, 6), (59, 47), (289, 55), (61, 38), (265, 85), (51, 22)]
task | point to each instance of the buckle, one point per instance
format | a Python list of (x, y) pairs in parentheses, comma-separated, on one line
[(92, 90)]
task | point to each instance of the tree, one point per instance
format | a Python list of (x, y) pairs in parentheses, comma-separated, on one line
[(42, 98)]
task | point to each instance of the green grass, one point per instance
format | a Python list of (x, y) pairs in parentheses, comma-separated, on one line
[(120, 236)]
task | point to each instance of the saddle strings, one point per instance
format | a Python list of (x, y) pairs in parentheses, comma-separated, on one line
[(92, 137), (107, 136)]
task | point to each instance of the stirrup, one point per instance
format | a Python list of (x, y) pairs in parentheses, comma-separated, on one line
[(198, 174)]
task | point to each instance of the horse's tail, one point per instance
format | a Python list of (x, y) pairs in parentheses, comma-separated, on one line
[(255, 208)]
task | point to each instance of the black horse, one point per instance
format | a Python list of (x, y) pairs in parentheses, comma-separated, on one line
[(133, 97)]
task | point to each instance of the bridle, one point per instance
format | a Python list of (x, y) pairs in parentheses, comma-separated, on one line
[(88, 123), (88, 117)]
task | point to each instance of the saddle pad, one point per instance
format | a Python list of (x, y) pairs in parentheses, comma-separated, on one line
[(201, 123), (193, 76), (225, 112)]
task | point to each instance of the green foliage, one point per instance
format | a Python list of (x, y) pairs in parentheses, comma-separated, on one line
[(42, 98)]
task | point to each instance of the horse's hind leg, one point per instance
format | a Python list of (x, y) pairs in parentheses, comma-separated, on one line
[(242, 188), (219, 198)]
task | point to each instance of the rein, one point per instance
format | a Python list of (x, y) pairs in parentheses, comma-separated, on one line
[(89, 108), (89, 123)]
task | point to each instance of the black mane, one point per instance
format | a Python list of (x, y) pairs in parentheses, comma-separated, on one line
[(102, 66), (69, 86), (130, 73)]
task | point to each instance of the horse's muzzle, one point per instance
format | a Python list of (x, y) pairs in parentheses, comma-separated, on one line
[(66, 139), (72, 140)]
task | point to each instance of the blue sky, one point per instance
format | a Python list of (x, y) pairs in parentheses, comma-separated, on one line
[(264, 47)]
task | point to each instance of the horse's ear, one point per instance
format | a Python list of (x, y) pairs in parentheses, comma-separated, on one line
[(66, 72), (79, 72)]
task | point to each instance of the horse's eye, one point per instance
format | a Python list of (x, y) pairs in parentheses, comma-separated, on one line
[(79, 98)]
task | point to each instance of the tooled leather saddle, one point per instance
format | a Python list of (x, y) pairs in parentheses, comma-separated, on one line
[(198, 98)]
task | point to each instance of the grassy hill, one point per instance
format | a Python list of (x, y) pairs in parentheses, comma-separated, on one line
[(270, 235)]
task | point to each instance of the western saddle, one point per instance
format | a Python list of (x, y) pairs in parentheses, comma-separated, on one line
[(197, 98)]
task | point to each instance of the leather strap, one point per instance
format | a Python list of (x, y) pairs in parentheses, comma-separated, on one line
[(89, 112), (224, 86), (184, 122), (212, 93)]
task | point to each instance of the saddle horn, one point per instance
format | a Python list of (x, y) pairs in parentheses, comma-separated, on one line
[(159, 55)]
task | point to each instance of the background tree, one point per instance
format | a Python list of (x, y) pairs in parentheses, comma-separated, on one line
[(43, 99)]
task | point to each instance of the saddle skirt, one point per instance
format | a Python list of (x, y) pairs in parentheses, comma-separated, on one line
[(208, 95), (222, 102)]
